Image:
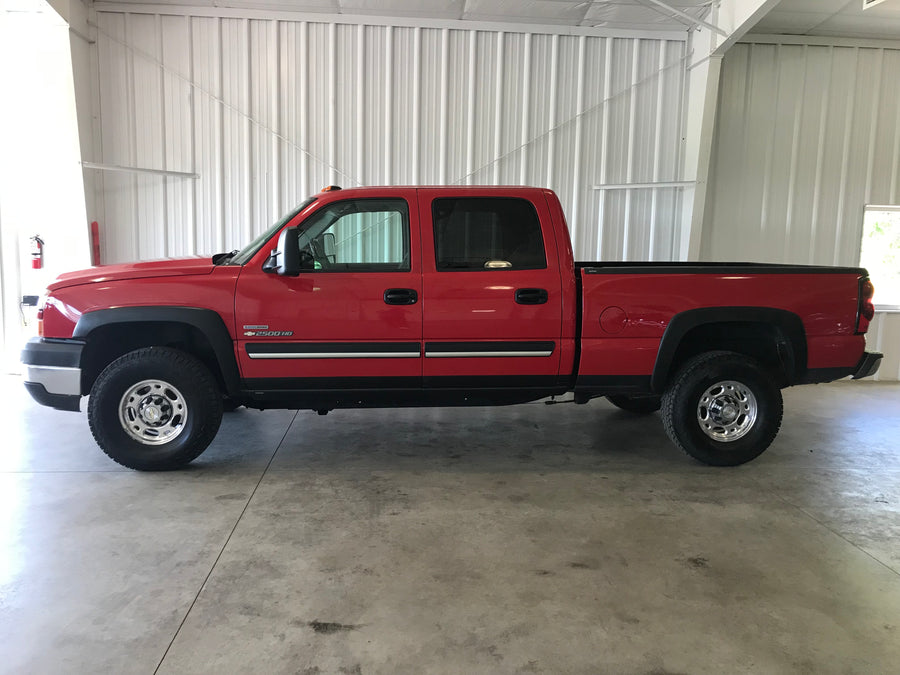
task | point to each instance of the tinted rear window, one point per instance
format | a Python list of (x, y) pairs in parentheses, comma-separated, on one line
[(500, 232)]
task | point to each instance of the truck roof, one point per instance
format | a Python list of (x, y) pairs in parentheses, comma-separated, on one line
[(449, 188)]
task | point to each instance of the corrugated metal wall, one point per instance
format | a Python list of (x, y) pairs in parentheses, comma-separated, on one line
[(806, 136), (884, 337), (267, 112)]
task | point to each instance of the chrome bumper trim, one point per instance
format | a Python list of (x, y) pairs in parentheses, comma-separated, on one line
[(55, 379)]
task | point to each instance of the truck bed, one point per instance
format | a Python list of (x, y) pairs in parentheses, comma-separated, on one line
[(632, 267), (627, 308)]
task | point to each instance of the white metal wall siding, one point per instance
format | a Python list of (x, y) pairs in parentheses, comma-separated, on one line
[(267, 112), (884, 337), (806, 136)]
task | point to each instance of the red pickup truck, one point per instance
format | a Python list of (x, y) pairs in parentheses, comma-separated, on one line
[(438, 296)]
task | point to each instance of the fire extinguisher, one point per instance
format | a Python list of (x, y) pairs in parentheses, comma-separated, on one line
[(37, 252)]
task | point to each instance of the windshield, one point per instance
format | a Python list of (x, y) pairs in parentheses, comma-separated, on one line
[(250, 249)]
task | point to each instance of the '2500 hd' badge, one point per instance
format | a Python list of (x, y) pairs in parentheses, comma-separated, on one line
[(262, 330), (268, 333)]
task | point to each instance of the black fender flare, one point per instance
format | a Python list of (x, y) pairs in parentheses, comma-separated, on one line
[(207, 321), (789, 323)]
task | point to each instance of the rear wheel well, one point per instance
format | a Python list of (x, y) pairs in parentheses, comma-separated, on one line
[(107, 343), (766, 343)]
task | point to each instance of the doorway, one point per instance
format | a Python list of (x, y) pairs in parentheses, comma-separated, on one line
[(41, 182)]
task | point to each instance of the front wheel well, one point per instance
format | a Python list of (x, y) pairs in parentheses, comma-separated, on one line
[(107, 343)]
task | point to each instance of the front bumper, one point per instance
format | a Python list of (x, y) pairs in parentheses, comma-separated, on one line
[(868, 365), (53, 372)]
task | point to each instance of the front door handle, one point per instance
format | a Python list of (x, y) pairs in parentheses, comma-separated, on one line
[(400, 296), (531, 296)]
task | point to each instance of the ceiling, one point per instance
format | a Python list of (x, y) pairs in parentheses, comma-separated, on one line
[(833, 18), (841, 18), (614, 14)]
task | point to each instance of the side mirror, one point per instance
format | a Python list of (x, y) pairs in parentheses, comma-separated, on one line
[(328, 246), (285, 259)]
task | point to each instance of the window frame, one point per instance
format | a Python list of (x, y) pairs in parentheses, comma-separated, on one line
[(894, 208), (246, 254), (435, 237), (405, 264)]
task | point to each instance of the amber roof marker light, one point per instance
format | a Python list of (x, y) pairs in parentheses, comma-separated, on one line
[(331, 188)]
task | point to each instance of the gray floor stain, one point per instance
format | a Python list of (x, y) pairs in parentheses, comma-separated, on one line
[(328, 627)]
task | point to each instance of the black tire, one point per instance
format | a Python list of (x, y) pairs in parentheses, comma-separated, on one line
[(173, 393), (701, 430), (639, 405)]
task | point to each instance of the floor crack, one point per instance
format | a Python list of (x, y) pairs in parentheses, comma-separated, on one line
[(225, 545), (827, 527)]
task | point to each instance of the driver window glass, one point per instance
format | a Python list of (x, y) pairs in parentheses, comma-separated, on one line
[(358, 235)]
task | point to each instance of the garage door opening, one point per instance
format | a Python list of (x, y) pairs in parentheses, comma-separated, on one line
[(41, 182)]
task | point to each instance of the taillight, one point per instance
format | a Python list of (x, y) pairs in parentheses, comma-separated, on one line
[(866, 308), (42, 303)]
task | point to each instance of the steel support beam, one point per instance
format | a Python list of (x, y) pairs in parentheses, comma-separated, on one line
[(737, 17), (645, 186), (733, 19), (700, 116), (687, 19), (137, 169)]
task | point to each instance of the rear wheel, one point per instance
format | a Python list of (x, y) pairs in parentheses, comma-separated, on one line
[(639, 405), (722, 409), (155, 409)]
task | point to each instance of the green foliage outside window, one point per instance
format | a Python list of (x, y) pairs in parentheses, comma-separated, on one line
[(881, 253)]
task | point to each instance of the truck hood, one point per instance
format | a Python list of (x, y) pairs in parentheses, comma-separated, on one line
[(140, 270)]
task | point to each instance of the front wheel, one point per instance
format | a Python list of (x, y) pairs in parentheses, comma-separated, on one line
[(155, 409), (722, 409)]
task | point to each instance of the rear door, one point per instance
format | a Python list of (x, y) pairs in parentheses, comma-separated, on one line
[(491, 282)]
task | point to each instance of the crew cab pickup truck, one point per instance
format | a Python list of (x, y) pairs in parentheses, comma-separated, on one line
[(438, 296)]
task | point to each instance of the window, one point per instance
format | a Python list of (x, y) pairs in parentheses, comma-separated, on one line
[(487, 234), (250, 249), (880, 253), (359, 235)]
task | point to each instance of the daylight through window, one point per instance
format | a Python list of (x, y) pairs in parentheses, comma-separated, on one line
[(880, 253)]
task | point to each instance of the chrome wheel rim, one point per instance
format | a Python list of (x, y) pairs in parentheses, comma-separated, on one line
[(727, 411), (153, 412)]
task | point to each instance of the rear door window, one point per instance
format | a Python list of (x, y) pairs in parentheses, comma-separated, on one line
[(487, 233)]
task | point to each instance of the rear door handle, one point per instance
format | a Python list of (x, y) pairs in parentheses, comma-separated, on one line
[(400, 296), (531, 296)]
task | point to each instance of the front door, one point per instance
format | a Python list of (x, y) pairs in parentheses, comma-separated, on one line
[(352, 319), (493, 295)]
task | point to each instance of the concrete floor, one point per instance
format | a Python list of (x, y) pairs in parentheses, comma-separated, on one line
[(530, 539)]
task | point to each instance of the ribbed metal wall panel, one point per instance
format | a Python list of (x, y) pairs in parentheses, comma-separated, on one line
[(806, 137), (884, 337), (269, 111)]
